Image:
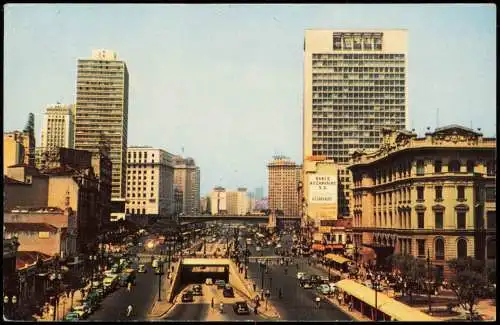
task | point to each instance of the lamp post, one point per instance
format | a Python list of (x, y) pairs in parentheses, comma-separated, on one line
[(159, 272), (376, 284), (12, 303), (429, 281)]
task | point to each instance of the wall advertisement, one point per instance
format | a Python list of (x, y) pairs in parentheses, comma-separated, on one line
[(323, 189)]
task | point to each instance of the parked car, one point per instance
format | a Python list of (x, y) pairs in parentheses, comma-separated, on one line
[(81, 310), (197, 291), (323, 289), (241, 308), (300, 275), (221, 284), (325, 279), (306, 284), (209, 281), (187, 296), (142, 268), (72, 316), (228, 292)]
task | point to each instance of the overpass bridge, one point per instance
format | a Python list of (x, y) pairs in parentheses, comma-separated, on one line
[(280, 220)]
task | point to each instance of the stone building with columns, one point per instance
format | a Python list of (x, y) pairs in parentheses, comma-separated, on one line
[(432, 194)]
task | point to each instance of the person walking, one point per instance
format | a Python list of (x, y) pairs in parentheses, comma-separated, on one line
[(129, 310), (212, 304), (129, 286)]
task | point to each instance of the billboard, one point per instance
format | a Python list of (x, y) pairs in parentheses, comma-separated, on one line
[(323, 189)]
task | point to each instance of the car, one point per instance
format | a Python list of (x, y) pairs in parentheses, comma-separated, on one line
[(300, 275), (187, 296), (221, 284), (241, 308), (81, 310), (323, 289), (324, 278), (209, 281), (307, 285), (333, 287), (315, 279), (72, 316), (228, 292), (197, 291), (142, 268)]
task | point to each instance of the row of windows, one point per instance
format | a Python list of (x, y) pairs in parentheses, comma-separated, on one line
[(360, 56), (356, 69)]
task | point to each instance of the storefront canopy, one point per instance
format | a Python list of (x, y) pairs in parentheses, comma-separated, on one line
[(337, 258), (393, 308), (318, 247)]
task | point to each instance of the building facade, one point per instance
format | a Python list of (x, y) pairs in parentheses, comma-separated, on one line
[(187, 179), (320, 190), (355, 83), (434, 194), (58, 126), (150, 188), (218, 201), (283, 179), (18, 148), (102, 111)]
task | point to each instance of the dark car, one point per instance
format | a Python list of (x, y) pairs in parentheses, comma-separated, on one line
[(241, 308), (228, 292), (197, 290), (187, 296)]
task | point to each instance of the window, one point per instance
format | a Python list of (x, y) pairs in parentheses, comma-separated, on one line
[(461, 248), (421, 247), (439, 249), (491, 249), (491, 193), (439, 193), (438, 166), (420, 193), (438, 220), (420, 167), (470, 166), (491, 221), (454, 166), (461, 219), (461, 193), (340, 238), (420, 219)]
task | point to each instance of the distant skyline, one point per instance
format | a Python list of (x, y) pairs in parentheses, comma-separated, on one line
[(225, 82)]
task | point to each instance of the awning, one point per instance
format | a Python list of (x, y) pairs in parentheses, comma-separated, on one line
[(337, 258), (335, 246), (393, 308), (318, 247)]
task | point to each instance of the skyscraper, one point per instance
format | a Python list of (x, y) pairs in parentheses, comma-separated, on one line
[(58, 127), (259, 193), (355, 83), (102, 111), (187, 179), (283, 179)]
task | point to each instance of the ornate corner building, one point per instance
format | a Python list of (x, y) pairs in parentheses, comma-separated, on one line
[(434, 194)]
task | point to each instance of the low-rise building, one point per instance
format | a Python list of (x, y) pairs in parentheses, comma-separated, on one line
[(433, 194)]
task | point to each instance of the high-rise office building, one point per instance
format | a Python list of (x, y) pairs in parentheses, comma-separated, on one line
[(259, 193), (283, 178), (187, 179), (150, 187), (58, 127), (102, 111), (355, 83)]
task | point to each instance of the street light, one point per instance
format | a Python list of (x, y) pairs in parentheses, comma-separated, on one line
[(12, 303), (159, 272), (429, 281)]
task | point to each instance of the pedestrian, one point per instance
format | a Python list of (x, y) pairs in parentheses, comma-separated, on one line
[(350, 305), (212, 304), (254, 286)]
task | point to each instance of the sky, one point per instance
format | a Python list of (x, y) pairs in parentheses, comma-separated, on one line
[(223, 83)]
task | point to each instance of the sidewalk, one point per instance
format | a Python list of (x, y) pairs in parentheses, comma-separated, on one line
[(270, 312), (63, 307)]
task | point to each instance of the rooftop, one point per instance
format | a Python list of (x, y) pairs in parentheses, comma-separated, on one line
[(12, 227), (26, 258)]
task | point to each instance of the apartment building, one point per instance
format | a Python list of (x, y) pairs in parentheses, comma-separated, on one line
[(150, 187), (355, 83), (432, 194), (18, 148), (218, 201), (101, 113), (284, 177), (187, 179), (58, 126)]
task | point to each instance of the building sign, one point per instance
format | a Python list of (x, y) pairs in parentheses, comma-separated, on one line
[(316, 158), (323, 189)]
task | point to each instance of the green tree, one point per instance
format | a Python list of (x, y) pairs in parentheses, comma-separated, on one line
[(468, 282), (413, 271)]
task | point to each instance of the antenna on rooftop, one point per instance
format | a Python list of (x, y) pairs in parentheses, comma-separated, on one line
[(437, 117)]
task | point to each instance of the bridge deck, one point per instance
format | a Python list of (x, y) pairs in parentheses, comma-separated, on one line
[(205, 261)]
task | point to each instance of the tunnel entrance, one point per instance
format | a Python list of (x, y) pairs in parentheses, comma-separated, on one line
[(198, 275)]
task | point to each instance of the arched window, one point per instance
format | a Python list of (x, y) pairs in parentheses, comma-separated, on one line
[(439, 249), (454, 166), (461, 248), (491, 249), (143, 211)]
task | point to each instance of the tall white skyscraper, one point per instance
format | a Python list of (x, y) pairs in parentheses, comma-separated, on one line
[(355, 83), (102, 111), (58, 127)]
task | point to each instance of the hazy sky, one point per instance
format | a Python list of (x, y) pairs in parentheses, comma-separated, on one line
[(225, 81)]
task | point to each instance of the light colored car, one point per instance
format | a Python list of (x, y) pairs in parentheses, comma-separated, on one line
[(257, 249), (142, 268), (278, 246), (323, 288), (209, 281), (300, 275), (81, 311), (332, 286)]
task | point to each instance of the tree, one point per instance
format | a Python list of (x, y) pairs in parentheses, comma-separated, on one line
[(413, 271), (468, 283)]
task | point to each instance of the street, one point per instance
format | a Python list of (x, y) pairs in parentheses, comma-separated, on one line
[(113, 307), (296, 303)]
